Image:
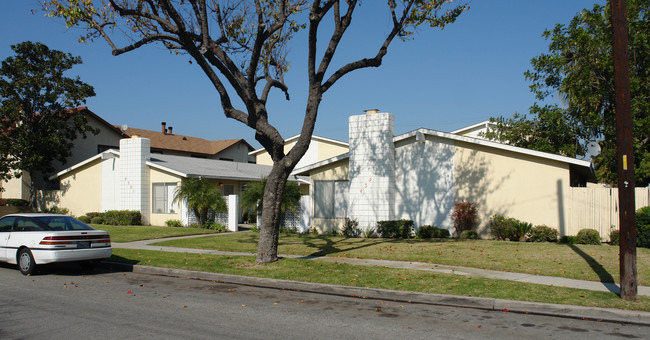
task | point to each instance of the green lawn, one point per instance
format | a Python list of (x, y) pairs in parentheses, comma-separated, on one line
[(378, 277), (140, 232), (585, 262), (597, 263)]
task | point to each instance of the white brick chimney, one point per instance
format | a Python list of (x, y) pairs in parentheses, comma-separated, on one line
[(134, 175), (372, 168)]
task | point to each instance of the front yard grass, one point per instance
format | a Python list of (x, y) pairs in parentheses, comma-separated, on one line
[(140, 232), (378, 277), (584, 262)]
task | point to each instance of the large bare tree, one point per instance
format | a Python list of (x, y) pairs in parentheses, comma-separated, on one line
[(241, 46)]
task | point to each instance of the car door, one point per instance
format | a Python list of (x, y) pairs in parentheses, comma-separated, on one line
[(6, 224)]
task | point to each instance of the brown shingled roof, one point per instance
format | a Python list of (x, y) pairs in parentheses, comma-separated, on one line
[(167, 141)]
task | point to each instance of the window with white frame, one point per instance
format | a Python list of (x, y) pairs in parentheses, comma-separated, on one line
[(163, 196), (331, 199)]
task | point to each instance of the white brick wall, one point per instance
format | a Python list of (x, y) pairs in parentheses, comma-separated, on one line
[(134, 175), (372, 168)]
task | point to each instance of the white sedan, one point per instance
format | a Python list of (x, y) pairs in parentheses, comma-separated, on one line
[(34, 239)]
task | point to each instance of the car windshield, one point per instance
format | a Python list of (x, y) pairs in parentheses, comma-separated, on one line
[(58, 223)]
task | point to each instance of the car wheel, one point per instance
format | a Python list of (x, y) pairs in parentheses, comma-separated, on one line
[(26, 261)]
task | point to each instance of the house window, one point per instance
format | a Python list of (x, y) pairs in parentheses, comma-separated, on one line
[(228, 189), (331, 199), (163, 195)]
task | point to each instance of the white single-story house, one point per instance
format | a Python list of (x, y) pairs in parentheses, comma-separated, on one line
[(132, 178), (421, 174)]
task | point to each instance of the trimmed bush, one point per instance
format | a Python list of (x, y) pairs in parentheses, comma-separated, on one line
[(426, 231), (614, 236), (588, 236), (13, 202), (122, 217), (643, 227), (442, 233), (568, 239), (93, 214), (643, 236), (502, 228), (468, 235), (465, 216), (174, 223), (542, 233), (395, 229), (84, 219), (97, 220)]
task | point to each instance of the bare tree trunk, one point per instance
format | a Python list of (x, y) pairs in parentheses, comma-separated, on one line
[(267, 247)]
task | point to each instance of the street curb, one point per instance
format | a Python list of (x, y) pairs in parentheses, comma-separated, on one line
[(524, 307)]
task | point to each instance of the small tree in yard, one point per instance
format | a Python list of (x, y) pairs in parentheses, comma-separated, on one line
[(241, 46), (37, 125), (201, 197), (465, 216), (251, 197)]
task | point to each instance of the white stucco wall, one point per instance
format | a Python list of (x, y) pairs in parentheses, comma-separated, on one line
[(110, 183), (424, 181)]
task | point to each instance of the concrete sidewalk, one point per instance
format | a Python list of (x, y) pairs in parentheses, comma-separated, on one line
[(558, 310)]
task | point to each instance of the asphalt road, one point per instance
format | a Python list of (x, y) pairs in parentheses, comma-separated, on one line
[(61, 302)]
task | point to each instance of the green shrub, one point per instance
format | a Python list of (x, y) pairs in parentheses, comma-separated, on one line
[(174, 223), (465, 216), (614, 236), (218, 227), (502, 228), (255, 229), (94, 214), (395, 229), (333, 233), (426, 231), (56, 210), (568, 239), (643, 236), (369, 233), (521, 230), (468, 235), (542, 233), (288, 230), (442, 233), (351, 228), (84, 219), (122, 217), (643, 216), (13, 202), (588, 236), (97, 220)]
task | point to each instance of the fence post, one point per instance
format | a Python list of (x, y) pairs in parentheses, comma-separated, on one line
[(233, 212)]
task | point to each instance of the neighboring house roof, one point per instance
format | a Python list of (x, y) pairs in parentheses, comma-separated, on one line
[(581, 166), (173, 142), (190, 167), (295, 138)]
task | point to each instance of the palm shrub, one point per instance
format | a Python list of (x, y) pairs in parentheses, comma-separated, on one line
[(252, 196), (542, 233), (588, 236), (521, 230), (465, 216), (351, 228), (201, 197)]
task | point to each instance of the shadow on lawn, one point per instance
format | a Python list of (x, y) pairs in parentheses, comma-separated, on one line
[(605, 277)]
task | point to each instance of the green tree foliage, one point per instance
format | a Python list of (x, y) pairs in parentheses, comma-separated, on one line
[(251, 196), (201, 197), (577, 73), (242, 48), (37, 123)]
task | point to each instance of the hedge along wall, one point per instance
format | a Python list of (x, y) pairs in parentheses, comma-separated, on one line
[(14, 210)]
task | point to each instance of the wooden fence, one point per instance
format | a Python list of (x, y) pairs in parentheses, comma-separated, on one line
[(597, 208)]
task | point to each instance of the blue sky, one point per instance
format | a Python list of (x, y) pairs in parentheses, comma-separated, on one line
[(441, 80)]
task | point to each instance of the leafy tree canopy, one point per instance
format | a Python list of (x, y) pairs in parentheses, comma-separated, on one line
[(578, 73), (242, 47), (38, 124)]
